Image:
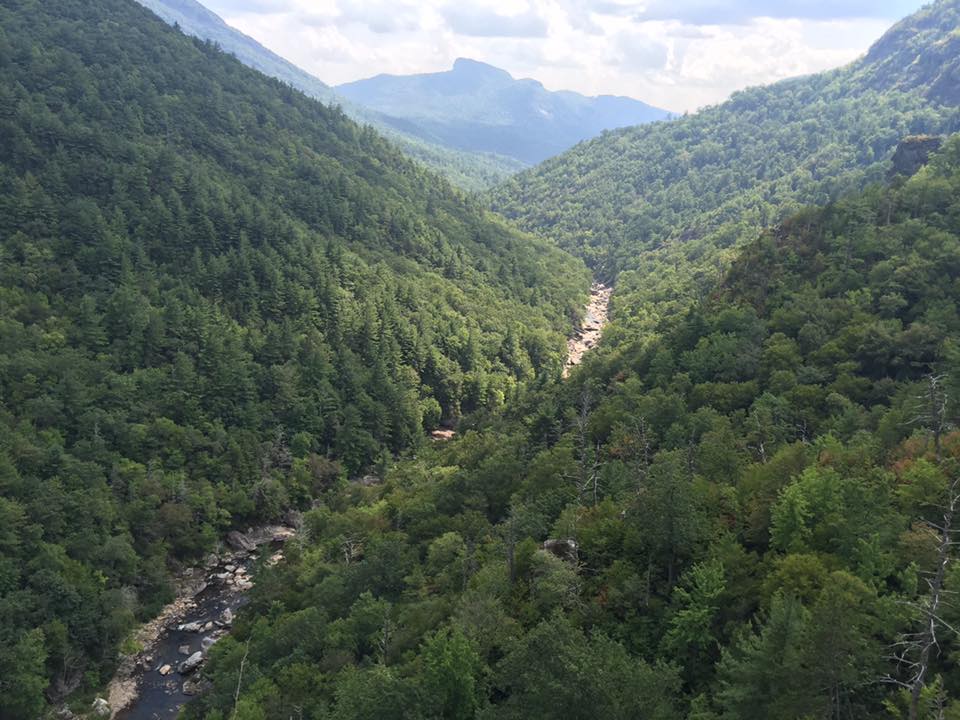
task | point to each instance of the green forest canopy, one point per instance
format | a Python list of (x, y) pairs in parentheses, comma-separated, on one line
[(748, 490), (221, 299), (216, 296), (664, 208)]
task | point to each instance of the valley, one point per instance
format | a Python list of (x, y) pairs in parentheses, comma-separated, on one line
[(292, 426)]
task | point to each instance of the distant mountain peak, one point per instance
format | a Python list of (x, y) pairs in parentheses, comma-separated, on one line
[(478, 107), (477, 68)]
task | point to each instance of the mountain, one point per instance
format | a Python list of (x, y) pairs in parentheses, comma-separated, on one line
[(478, 107), (746, 517), (672, 202), (469, 170), (195, 19), (217, 297)]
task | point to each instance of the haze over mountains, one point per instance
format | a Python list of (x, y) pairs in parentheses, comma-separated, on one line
[(478, 107), (474, 124)]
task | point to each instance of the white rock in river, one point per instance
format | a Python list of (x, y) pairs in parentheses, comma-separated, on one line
[(165, 670), (184, 649), (191, 663), (191, 627), (207, 643)]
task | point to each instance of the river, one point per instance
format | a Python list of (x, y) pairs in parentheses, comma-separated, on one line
[(153, 683)]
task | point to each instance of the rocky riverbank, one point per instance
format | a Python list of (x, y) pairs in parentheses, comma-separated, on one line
[(594, 320), (158, 679)]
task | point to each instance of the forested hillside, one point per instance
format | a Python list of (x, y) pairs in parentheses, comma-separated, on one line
[(469, 170), (739, 518), (217, 298), (666, 206), (221, 299)]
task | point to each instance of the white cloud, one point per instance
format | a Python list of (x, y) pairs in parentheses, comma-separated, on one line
[(678, 54), (479, 21)]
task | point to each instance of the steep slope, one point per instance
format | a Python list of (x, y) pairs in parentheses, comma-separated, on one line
[(217, 296), (736, 522), (197, 20), (469, 170), (668, 200), (478, 107)]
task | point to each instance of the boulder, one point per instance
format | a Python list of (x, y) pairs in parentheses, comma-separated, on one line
[(101, 708), (191, 627), (227, 617), (238, 541), (184, 649), (191, 663), (207, 643), (165, 670)]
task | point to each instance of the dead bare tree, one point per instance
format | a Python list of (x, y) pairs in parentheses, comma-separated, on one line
[(236, 694), (931, 410), (352, 548), (640, 451), (386, 636), (587, 478), (914, 652), (761, 447)]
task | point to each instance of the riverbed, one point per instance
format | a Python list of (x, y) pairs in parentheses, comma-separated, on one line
[(157, 681), (594, 320)]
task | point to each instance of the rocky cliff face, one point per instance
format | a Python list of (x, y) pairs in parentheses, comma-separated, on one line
[(920, 52), (913, 153)]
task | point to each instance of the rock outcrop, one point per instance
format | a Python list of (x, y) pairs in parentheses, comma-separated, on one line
[(913, 153), (563, 549), (240, 542)]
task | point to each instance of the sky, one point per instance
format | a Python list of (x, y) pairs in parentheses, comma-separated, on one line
[(680, 55)]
